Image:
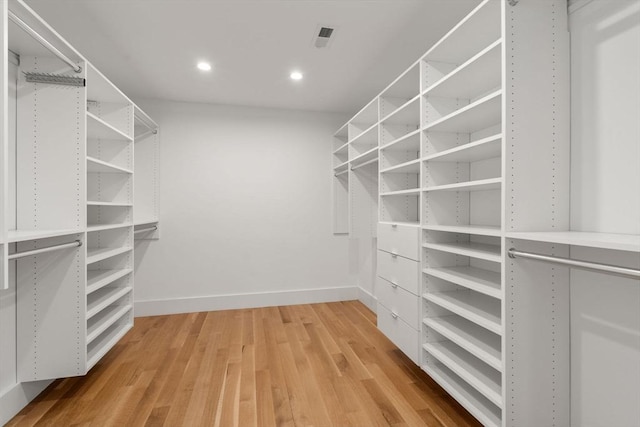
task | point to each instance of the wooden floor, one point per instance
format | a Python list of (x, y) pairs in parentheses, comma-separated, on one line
[(305, 365)]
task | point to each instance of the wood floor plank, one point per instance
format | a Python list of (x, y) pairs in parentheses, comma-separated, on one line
[(318, 365)]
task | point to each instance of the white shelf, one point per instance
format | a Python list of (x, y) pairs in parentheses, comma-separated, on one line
[(100, 254), (116, 204), (342, 149), (476, 373), (341, 166), (101, 321), (365, 157), (412, 166), (102, 227), (470, 249), (410, 192), (463, 82), (104, 297), (476, 116), (619, 242), (407, 114), (483, 344), (106, 341), (478, 405), (14, 236), (100, 89), (342, 132), (479, 280), (479, 185), (97, 279), (99, 129), (408, 142), (402, 223), (98, 166), (477, 308), (485, 148), (480, 230), (146, 221)]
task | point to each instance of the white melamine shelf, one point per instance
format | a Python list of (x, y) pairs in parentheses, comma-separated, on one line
[(365, 157), (478, 115), (99, 129), (97, 279), (412, 166), (409, 192), (342, 149), (341, 166), (342, 132), (104, 297), (477, 308), (479, 185), (474, 402), (101, 321), (146, 221), (14, 236), (407, 114), (468, 367), (101, 227), (461, 42), (100, 89), (479, 280), (116, 204), (408, 142), (402, 223), (471, 249), (100, 254), (485, 148), (105, 342), (99, 166), (483, 344), (463, 82), (619, 242), (367, 137), (480, 230)]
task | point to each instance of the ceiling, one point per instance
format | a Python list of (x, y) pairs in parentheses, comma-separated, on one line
[(149, 48)]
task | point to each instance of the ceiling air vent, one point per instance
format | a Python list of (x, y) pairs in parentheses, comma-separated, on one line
[(323, 36)]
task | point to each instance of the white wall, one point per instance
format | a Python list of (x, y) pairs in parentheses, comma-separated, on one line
[(245, 210), (605, 197)]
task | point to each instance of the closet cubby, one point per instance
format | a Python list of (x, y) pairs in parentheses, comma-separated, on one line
[(363, 121), (364, 147), (108, 109), (146, 171), (399, 94), (340, 152)]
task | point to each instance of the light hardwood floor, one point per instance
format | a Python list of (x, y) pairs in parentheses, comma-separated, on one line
[(305, 365)]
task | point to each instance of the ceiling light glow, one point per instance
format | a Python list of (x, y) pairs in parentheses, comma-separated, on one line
[(296, 75), (204, 66)]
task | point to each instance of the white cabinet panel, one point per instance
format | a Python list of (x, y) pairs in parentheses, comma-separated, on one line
[(399, 332), (399, 239), (399, 301), (399, 270)]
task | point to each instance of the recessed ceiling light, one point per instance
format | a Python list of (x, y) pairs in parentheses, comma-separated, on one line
[(204, 66), (296, 75)]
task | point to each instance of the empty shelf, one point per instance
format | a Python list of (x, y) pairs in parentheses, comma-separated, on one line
[(478, 405), (409, 192), (364, 157), (97, 279), (412, 166), (479, 185), (479, 280), (403, 223), (480, 230), (26, 235), (470, 249), (115, 204), (105, 341), (408, 142), (98, 166), (620, 242), (476, 340), (476, 116), (342, 149), (485, 148), (107, 317), (100, 254), (477, 308), (102, 227), (99, 129), (104, 297), (407, 114)]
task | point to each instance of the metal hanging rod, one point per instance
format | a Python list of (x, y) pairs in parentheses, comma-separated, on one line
[(341, 172), (146, 134), (20, 23), (51, 248), (144, 230), (365, 163), (587, 265)]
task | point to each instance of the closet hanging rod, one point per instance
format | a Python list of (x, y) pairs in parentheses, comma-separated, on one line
[(146, 134), (341, 172), (587, 265), (51, 248), (20, 23), (365, 164), (143, 230)]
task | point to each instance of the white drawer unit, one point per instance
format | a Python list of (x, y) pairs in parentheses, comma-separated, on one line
[(399, 270), (399, 301), (399, 239), (399, 332)]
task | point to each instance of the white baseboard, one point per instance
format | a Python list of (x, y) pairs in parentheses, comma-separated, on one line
[(231, 302), (368, 299), (13, 400)]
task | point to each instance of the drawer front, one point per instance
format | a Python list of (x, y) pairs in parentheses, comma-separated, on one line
[(399, 239), (399, 301), (399, 332), (399, 270)]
